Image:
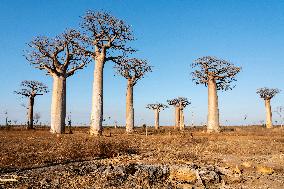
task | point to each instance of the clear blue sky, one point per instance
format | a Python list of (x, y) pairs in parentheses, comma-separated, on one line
[(170, 35)]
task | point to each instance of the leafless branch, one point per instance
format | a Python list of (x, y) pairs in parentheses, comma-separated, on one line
[(222, 71), (32, 88), (267, 93)]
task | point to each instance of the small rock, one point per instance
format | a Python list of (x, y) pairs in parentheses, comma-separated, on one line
[(264, 170), (183, 174)]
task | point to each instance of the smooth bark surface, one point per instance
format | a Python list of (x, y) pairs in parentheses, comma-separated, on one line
[(268, 114), (58, 105), (96, 127), (181, 124), (129, 107), (177, 116), (157, 119), (213, 111), (31, 113)]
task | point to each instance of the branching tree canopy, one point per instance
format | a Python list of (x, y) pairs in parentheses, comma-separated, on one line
[(133, 69), (267, 93), (60, 56), (106, 35), (180, 102), (32, 88), (157, 106), (209, 67)]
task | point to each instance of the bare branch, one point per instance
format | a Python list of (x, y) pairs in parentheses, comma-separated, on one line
[(157, 106), (222, 71), (105, 32), (181, 102), (62, 55), (133, 68), (267, 93), (32, 88)]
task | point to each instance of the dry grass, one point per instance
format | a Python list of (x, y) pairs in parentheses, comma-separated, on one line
[(22, 149)]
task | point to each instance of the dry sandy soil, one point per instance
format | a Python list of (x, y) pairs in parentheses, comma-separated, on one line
[(238, 157)]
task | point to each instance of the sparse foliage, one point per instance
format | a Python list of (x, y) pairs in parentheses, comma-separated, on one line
[(106, 34), (180, 102), (157, 106), (32, 88), (209, 67), (267, 93), (133, 69), (60, 56)]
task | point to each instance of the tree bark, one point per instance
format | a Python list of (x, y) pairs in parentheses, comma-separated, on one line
[(31, 113), (268, 114), (96, 127), (181, 126), (129, 107), (177, 112), (58, 105), (157, 119), (213, 111)]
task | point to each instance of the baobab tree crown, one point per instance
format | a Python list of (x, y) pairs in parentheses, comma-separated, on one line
[(267, 93), (60, 56), (180, 101), (157, 106), (32, 88), (212, 68), (105, 32), (133, 69)]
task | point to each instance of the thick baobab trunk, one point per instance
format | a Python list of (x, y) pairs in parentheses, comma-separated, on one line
[(129, 108), (177, 117), (31, 113), (213, 111), (96, 127), (268, 114), (181, 122), (58, 105), (157, 119)]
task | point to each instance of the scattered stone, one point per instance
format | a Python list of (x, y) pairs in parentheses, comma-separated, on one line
[(183, 174), (264, 170)]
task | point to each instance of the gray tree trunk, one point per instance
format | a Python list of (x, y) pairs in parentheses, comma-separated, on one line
[(268, 114), (96, 127), (58, 105), (31, 113), (157, 119), (213, 111), (129, 108), (181, 127), (177, 116)]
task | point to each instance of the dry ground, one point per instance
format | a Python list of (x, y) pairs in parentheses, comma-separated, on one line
[(254, 153)]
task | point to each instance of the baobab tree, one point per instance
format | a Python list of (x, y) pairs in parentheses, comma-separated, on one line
[(132, 69), (106, 36), (216, 74), (31, 89), (60, 57), (157, 108), (267, 94), (179, 103)]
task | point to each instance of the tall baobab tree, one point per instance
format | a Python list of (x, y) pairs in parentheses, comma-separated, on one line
[(157, 108), (216, 74), (179, 103), (267, 94), (31, 89), (106, 36), (60, 57), (132, 69)]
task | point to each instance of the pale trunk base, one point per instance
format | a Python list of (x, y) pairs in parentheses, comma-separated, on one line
[(213, 111), (268, 114), (181, 126), (58, 105), (96, 127), (157, 119), (31, 113), (129, 108), (177, 116)]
